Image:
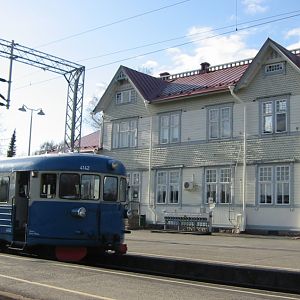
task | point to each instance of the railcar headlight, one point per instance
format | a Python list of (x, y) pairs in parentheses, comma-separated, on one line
[(79, 212), (113, 164)]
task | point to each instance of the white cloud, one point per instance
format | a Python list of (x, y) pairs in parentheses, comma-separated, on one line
[(293, 32), (294, 46), (215, 50), (150, 64), (100, 89), (254, 6)]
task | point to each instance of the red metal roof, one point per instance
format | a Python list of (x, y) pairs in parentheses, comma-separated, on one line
[(90, 142), (192, 83), (157, 89)]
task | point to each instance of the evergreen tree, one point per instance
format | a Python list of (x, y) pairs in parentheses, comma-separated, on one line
[(12, 145)]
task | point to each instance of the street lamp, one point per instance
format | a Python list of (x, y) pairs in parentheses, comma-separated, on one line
[(24, 108)]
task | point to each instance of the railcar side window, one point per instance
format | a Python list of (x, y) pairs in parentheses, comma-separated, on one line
[(110, 188), (69, 185), (4, 189), (90, 187), (123, 189), (48, 186)]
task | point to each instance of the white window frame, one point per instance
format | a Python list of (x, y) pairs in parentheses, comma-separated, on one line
[(216, 124), (124, 134), (273, 178), (121, 99), (168, 187), (265, 185), (282, 180), (272, 109), (274, 68), (218, 180), (134, 181), (169, 128)]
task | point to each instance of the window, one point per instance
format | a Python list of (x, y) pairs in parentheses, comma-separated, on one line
[(110, 188), (125, 134), (274, 116), (4, 189), (90, 187), (211, 186), (225, 185), (134, 182), (69, 186), (48, 186), (218, 185), (123, 189), (124, 97), (167, 187), (274, 184), (282, 185), (169, 128), (219, 122), (265, 185), (276, 68)]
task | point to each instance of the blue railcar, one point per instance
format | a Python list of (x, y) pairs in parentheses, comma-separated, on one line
[(69, 202)]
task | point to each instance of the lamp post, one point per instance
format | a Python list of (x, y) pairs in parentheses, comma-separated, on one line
[(24, 108)]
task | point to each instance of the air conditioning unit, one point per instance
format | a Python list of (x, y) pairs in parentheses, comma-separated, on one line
[(188, 185)]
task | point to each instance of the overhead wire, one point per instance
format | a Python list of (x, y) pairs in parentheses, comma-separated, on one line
[(177, 45), (185, 36), (113, 23)]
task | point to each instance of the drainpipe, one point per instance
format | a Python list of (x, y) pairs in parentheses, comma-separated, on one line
[(231, 89), (153, 208)]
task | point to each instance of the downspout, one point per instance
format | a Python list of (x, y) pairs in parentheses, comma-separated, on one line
[(150, 164), (231, 89)]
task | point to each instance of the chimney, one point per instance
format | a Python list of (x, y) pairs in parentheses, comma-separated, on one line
[(205, 67), (164, 74)]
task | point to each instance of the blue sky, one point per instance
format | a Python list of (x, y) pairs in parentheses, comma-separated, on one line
[(180, 34)]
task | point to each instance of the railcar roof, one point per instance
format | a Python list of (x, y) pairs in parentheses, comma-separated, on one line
[(77, 162)]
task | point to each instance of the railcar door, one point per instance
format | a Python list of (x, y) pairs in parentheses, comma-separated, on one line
[(20, 207), (112, 212)]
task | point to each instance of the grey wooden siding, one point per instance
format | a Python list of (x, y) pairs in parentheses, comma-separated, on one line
[(107, 135), (295, 113), (260, 150), (120, 111), (272, 85)]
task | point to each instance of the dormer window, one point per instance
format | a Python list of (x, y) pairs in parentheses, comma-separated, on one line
[(277, 68), (124, 97)]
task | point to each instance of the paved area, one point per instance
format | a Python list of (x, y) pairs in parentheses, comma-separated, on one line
[(262, 251)]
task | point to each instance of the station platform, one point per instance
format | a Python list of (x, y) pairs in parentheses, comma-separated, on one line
[(264, 251)]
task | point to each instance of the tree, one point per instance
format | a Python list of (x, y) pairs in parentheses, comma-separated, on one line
[(12, 145), (50, 146), (90, 119)]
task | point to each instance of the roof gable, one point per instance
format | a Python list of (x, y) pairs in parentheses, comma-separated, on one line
[(259, 60), (199, 82)]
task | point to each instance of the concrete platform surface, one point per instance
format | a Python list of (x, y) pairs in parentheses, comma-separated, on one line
[(247, 250)]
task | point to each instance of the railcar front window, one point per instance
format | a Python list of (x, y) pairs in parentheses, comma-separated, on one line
[(123, 189), (48, 186), (69, 185), (110, 188), (90, 187), (4, 189)]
